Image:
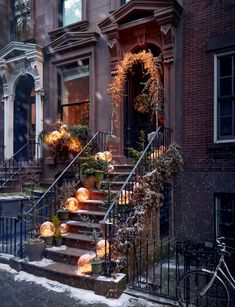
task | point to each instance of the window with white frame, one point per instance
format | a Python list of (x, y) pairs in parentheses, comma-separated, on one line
[(74, 93), (71, 11), (225, 97), (225, 216)]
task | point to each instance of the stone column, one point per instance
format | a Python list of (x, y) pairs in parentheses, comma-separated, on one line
[(8, 125), (39, 121)]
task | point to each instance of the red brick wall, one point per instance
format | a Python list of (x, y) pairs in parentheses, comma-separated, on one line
[(201, 20)]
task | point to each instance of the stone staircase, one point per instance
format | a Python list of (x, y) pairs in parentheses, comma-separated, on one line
[(60, 263), (12, 179)]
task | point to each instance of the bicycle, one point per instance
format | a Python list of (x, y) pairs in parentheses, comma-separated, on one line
[(205, 288)]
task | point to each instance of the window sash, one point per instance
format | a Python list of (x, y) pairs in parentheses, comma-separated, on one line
[(71, 12), (224, 91)]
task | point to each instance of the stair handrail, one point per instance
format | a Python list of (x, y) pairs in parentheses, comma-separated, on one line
[(16, 153), (64, 171), (107, 220), (8, 174), (106, 217)]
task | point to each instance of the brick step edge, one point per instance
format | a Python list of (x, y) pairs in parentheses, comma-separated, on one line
[(106, 286)]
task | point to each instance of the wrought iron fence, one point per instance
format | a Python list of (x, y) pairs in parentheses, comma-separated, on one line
[(13, 232), (155, 265), (119, 211)]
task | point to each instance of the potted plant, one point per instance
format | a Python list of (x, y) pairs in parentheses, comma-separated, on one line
[(34, 246), (63, 214), (58, 237), (91, 172), (96, 263)]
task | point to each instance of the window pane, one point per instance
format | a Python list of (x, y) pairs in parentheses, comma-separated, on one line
[(75, 93), (75, 84), (76, 114), (22, 27), (226, 66), (226, 126), (226, 107), (72, 11), (226, 86), (21, 7)]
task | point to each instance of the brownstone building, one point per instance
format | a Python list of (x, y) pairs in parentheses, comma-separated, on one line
[(57, 59)]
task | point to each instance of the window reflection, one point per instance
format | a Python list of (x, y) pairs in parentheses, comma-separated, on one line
[(75, 93), (21, 9), (72, 11)]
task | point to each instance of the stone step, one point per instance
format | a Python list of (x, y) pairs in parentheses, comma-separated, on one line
[(80, 226), (65, 254), (115, 185), (92, 204), (76, 240), (123, 167), (69, 274)]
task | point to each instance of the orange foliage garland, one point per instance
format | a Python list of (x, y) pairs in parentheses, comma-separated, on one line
[(153, 85)]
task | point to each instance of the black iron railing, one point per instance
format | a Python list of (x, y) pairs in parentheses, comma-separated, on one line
[(13, 233), (119, 210), (48, 204), (13, 166), (155, 265)]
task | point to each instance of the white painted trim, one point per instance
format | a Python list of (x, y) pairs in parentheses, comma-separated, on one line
[(216, 57)]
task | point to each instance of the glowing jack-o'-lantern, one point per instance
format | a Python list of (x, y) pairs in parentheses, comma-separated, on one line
[(100, 249), (125, 197), (108, 156), (47, 229), (72, 204), (157, 153), (100, 156), (53, 137), (84, 263), (63, 228), (110, 168), (82, 194)]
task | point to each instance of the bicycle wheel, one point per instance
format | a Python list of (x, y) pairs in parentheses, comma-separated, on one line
[(193, 282)]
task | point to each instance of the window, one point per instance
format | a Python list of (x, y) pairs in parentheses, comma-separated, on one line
[(21, 16), (124, 2), (71, 11), (225, 217), (75, 93), (225, 97)]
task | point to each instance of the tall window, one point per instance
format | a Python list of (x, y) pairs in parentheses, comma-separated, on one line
[(75, 93), (21, 15), (71, 11), (225, 102), (225, 217)]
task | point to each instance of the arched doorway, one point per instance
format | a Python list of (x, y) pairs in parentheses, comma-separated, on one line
[(24, 113), (135, 121)]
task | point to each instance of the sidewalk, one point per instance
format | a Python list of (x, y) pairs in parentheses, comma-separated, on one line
[(26, 290)]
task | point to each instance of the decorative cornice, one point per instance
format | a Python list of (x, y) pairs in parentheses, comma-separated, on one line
[(161, 10), (72, 40), (81, 26), (26, 51)]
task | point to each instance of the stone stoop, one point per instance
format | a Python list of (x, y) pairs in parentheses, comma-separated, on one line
[(78, 241)]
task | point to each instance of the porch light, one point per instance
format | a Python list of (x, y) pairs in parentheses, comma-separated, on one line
[(63, 228), (84, 264), (110, 168), (108, 156), (100, 156), (47, 229), (125, 197), (100, 249), (72, 204), (82, 194)]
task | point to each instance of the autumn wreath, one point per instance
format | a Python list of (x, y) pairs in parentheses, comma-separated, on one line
[(151, 95)]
